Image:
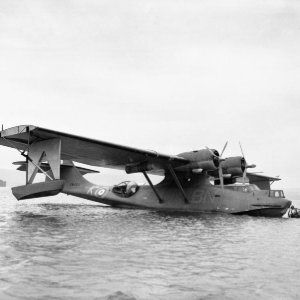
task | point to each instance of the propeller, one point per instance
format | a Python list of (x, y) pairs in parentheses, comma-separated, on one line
[(224, 149), (220, 170), (246, 165)]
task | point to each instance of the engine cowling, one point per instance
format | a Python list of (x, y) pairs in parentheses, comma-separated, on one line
[(204, 159), (234, 166)]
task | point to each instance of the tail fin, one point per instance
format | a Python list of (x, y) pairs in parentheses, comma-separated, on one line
[(72, 175)]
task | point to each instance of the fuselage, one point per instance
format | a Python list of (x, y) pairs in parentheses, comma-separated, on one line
[(201, 194)]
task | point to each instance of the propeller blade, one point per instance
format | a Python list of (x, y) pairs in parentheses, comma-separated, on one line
[(245, 171), (224, 149), (242, 149), (221, 177), (221, 152), (220, 170), (244, 177)]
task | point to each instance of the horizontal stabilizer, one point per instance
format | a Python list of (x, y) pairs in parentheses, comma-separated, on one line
[(45, 167)]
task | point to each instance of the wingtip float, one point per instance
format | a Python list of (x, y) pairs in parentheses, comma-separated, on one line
[(196, 181)]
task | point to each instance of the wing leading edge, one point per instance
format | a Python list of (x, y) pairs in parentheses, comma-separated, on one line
[(88, 151)]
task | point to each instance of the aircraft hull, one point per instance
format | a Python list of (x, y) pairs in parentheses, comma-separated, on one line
[(202, 197), (266, 212)]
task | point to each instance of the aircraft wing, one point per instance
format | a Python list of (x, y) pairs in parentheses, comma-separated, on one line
[(89, 151), (262, 181), (259, 177)]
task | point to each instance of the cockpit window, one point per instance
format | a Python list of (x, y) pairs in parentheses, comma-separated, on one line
[(276, 193), (125, 189)]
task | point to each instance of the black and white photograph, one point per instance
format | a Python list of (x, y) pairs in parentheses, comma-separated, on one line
[(149, 149)]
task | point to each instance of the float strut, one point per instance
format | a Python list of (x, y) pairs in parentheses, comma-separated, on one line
[(178, 184), (153, 188)]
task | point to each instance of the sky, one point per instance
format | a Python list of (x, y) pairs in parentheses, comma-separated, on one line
[(168, 75)]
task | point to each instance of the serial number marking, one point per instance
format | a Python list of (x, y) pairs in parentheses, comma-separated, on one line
[(203, 196)]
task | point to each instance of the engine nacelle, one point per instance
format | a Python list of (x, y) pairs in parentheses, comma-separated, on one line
[(234, 165), (204, 159)]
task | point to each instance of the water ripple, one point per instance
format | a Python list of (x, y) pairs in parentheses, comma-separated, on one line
[(53, 250)]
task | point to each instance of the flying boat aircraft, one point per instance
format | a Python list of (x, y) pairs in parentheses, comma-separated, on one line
[(196, 181)]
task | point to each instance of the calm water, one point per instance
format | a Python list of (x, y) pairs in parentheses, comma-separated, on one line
[(64, 248)]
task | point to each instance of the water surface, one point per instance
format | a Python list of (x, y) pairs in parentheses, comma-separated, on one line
[(66, 248)]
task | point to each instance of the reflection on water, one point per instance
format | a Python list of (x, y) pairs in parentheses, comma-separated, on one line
[(80, 251)]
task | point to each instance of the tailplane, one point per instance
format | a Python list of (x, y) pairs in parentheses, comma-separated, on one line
[(22, 166)]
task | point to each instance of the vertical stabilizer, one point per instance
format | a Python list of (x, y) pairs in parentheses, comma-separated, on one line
[(72, 177), (71, 174)]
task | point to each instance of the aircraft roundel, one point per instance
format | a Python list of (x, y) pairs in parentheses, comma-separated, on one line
[(100, 192)]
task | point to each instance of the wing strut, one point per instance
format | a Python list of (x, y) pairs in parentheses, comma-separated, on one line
[(178, 184), (153, 188)]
